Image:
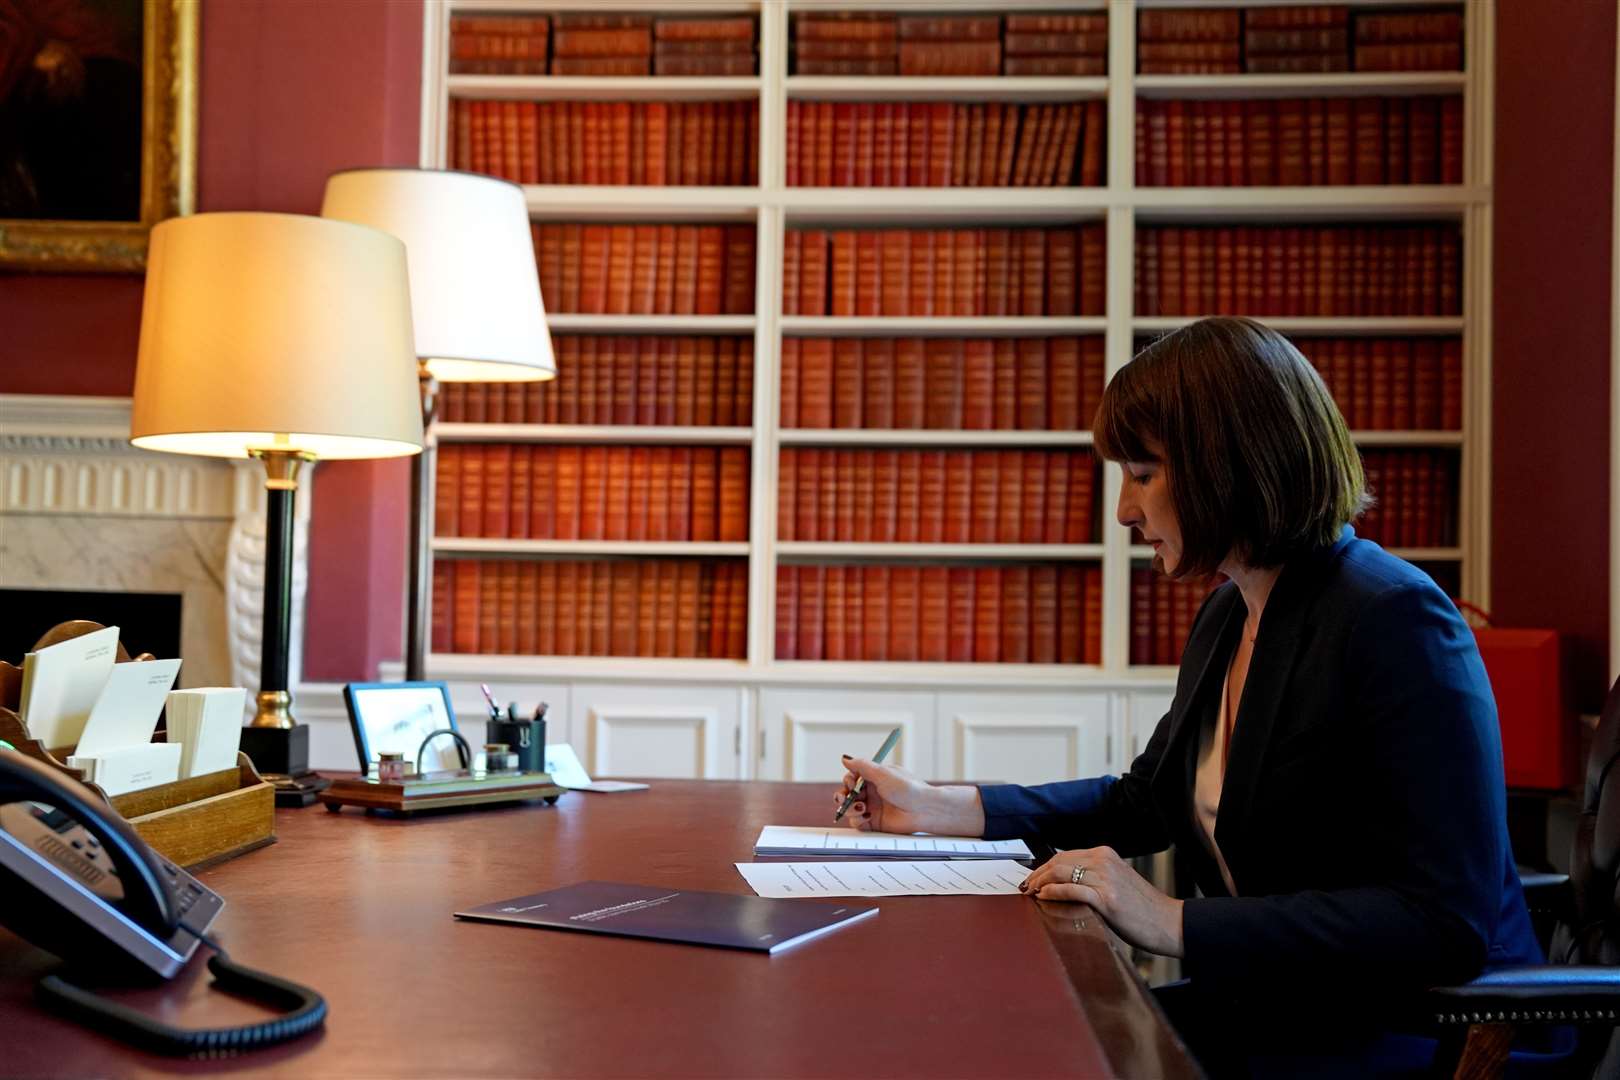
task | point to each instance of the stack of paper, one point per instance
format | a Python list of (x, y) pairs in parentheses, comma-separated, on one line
[(207, 723), (61, 684), (885, 877), (791, 840)]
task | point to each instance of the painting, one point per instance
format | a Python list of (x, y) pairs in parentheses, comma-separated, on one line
[(98, 121)]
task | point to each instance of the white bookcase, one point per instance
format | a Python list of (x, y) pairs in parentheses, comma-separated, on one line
[(789, 719)]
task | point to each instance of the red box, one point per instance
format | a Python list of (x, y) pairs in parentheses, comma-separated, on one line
[(1538, 733)]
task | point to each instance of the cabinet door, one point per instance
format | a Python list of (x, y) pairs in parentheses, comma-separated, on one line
[(1023, 738), (803, 733), (1143, 711), (685, 732)]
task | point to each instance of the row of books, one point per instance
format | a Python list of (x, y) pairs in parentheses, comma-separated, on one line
[(942, 384), (1392, 384), (646, 269), (1162, 614), (947, 272), (944, 144), (937, 496), (1042, 614), (521, 492), (654, 143), (669, 380), (858, 43), (1307, 270), (1415, 498), (1297, 39), (602, 44), (686, 608), (1299, 142), (495, 45)]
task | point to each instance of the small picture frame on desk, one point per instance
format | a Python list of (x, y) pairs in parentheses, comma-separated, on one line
[(397, 717)]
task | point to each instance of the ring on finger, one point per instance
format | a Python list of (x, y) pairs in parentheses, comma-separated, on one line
[(1075, 874)]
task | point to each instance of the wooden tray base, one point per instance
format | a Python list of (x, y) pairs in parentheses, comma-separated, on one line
[(440, 790)]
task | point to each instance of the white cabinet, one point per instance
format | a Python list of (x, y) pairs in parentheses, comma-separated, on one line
[(802, 733), (1023, 738), (1143, 711), (685, 732)]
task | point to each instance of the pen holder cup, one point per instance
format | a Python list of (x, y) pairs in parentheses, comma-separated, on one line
[(526, 738)]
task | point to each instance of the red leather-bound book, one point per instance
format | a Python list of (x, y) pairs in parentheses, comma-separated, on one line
[(957, 517), (1260, 142), (733, 493), (466, 595), (545, 609), (1080, 526), (1062, 261), (945, 273), (989, 153), (684, 413), (978, 384), (705, 493), (885, 496), (787, 493), (684, 296), (833, 636), (889, 274), (933, 614), (566, 636), (1291, 162), (960, 125), (1043, 614), (787, 612), (807, 502), (872, 629), (621, 249), (904, 583), (593, 269), (1015, 615), (869, 271), (920, 292), (1092, 272), (490, 615), (1004, 416), (739, 270), (967, 272), (1033, 384), (1380, 393), (1164, 643), (1031, 271), (680, 493), (1036, 506), (931, 512), (1175, 135), (1063, 387), (725, 382), (639, 493), (618, 366), (815, 387), (615, 490), (711, 259), (624, 584), (447, 489), (704, 380), (1010, 497), (1368, 122), (642, 283), (520, 477), (592, 609), (1451, 385), (813, 275), (944, 363), (1062, 173), (847, 382), (908, 497), (443, 606), (997, 272), (884, 153), (744, 408), (827, 496), (864, 492), (909, 384), (877, 375), (812, 627), (471, 517), (957, 613), (678, 594), (987, 614), (789, 396), (984, 513)]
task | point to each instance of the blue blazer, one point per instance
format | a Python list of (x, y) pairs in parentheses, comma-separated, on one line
[(1363, 811)]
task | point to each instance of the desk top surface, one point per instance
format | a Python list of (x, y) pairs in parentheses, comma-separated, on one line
[(359, 907)]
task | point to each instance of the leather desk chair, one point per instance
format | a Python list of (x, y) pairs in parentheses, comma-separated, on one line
[(1580, 986)]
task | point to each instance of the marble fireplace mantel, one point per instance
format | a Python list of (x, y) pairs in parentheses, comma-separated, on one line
[(82, 509)]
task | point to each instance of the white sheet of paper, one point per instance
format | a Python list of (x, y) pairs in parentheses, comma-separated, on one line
[(567, 771), (885, 877), (126, 713), (61, 683), (847, 842)]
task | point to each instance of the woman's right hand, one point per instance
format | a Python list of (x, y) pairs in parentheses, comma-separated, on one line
[(893, 800)]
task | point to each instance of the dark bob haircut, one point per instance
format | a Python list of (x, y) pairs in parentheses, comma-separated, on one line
[(1259, 462)]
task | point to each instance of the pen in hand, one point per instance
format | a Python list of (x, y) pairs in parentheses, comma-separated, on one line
[(860, 782)]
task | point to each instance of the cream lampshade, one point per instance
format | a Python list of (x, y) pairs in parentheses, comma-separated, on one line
[(475, 288), (285, 338), (475, 297)]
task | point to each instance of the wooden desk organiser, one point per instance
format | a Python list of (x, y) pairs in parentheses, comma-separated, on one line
[(193, 822)]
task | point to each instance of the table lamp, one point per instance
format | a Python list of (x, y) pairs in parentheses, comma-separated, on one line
[(475, 301), (284, 338)]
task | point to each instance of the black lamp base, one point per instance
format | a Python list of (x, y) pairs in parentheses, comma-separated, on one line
[(282, 757)]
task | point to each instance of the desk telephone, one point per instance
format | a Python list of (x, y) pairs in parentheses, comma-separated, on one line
[(78, 882)]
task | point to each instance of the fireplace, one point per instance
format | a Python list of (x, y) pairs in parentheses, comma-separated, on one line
[(147, 621)]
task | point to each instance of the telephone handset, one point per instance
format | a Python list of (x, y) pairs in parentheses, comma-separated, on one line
[(78, 882)]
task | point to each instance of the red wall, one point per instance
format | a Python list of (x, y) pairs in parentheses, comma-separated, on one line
[(290, 91), (1550, 345)]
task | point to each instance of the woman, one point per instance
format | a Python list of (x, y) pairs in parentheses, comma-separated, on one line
[(1330, 764)]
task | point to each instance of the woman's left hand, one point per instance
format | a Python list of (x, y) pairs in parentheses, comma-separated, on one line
[(1138, 912)]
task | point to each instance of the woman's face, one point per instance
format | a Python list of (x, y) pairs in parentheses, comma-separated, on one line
[(1144, 502)]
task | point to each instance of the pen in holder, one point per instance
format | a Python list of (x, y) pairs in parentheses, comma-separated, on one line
[(525, 738)]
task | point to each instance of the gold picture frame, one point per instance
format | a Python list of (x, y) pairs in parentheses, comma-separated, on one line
[(168, 161)]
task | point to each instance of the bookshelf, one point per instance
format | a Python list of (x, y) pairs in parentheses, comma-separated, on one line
[(783, 716)]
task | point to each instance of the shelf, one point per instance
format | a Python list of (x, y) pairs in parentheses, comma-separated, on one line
[(574, 203), (931, 437), (653, 324), (943, 206), (1326, 84), (1407, 438), (1449, 554), (1223, 205), (1304, 326), (903, 673), (469, 545), (967, 326), (601, 88), (804, 549), (922, 88), (612, 434), (482, 667)]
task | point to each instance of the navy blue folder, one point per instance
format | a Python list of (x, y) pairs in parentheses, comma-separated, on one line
[(697, 918)]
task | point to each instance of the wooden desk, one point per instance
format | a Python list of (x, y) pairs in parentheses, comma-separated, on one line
[(360, 908)]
